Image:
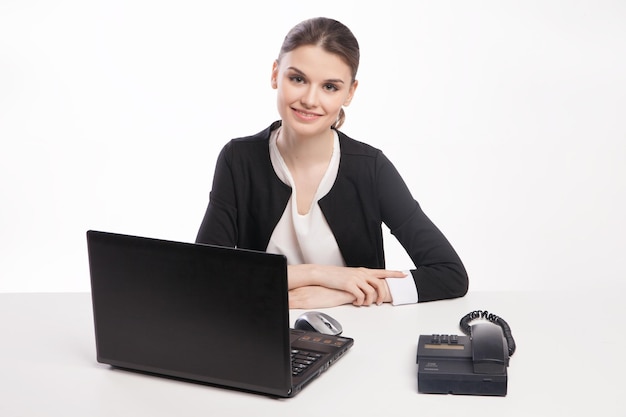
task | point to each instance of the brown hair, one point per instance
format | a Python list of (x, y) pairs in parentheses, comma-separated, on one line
[(333, 36)]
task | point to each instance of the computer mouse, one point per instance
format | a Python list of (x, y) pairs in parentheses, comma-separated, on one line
[(318, 322)]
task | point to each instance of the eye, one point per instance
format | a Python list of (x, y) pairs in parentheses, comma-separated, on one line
[(296, 79), (331, 87)]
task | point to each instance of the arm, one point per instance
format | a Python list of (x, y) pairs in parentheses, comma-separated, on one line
[(318, 297), (439, 272), (218, 226), (310, 284)]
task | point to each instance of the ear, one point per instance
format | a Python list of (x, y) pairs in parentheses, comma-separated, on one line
[(274, 78), (353, 87)]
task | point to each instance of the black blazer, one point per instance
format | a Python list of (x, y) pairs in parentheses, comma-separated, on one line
[(248, 200)]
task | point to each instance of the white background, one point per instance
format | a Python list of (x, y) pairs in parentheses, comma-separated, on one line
[(506, 118)]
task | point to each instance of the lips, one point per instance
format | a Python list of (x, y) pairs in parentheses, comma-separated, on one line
[(306, 115)]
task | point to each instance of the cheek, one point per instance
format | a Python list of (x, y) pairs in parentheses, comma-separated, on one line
[(283, 102), (334, 103), (286, 95)]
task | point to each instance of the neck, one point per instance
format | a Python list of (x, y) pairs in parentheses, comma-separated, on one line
[(296, 149)]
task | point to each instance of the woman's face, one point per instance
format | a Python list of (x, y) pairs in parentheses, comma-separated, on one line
[(312, 87)]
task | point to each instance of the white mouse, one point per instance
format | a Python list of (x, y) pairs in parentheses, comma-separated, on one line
[(318, 322)]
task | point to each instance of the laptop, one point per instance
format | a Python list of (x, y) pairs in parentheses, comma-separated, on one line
[(201, 313)]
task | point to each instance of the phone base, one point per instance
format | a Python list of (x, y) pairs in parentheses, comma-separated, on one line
[(460, 382), (448, 368)]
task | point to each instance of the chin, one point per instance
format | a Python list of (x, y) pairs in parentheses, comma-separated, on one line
[(308, 127)]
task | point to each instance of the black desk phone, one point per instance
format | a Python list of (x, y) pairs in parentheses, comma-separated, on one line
[(475, 364)]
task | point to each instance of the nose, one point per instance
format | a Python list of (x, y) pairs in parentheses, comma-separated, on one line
[(309, 97)]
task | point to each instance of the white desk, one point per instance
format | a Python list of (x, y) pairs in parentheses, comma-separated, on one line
[(570, 358)]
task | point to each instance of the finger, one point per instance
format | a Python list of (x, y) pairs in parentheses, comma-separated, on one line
[(370, 295), (382, 294), (358, 294), (384, 273), (367, 291), (381, 291), (371, 288), (393, 274)]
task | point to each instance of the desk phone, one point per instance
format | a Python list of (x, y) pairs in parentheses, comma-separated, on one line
[(474, 364)]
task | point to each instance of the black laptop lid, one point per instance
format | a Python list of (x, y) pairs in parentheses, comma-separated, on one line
[(206, 313)]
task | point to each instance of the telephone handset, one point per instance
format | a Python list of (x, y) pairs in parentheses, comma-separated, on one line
[(473, 364), (489, 353)]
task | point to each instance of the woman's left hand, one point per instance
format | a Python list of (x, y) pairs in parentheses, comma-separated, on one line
[(315, 296)]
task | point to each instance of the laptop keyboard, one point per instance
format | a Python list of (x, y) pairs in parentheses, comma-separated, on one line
[(301, 360)]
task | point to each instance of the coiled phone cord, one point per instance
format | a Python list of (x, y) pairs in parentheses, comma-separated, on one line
[(465, 326)]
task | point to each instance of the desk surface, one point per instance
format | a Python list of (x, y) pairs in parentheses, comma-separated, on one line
[(569, 358)]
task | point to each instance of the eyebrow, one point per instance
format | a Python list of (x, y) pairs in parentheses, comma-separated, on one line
[(331, 80)]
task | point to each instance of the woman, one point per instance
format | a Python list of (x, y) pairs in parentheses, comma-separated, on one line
[(304, 189)]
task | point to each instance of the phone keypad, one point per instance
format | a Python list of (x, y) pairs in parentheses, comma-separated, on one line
[(444, 339)]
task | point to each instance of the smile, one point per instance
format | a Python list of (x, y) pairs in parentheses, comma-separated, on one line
[(305, 115)]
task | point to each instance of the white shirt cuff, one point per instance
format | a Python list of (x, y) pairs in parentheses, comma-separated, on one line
[(403, 290)]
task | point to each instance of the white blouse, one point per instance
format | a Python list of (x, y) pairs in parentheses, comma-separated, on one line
[(307, 238)]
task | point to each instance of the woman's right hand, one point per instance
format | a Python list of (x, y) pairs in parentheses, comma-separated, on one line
[(367, 285)]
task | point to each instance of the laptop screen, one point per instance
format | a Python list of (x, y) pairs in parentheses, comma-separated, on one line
[(200, 312)]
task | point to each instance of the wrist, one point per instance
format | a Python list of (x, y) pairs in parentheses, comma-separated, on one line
[(300, 275)]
